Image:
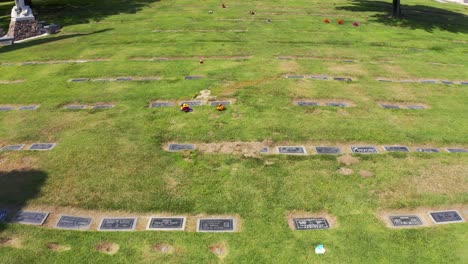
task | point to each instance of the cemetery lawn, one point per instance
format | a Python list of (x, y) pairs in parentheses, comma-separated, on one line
[(113, 159)]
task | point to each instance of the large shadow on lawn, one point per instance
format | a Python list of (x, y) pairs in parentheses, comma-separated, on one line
[(17, 187), (71, 12), (427, 18), (49, 39)]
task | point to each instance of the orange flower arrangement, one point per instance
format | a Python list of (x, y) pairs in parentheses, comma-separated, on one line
[(340, 21), (326, 21)]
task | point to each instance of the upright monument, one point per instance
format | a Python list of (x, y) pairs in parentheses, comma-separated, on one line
[(23, 24)]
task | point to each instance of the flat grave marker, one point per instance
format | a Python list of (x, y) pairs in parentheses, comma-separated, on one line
[(456, 150), (396, 148), (307, 103), (74, 222), (335, 104), (193, 77), (443, 217), (117, 224), (319, 77), (405, 220), (429, 150), (292, 150), (215, 103), (310, 223), (446, 82), (464, 83), (265, 150), (103, 106), (80, 80), (28, 107), (428, 81), (6, 108), (342, 79), (42, 146), (192, 103), (161, 104), (327, 150), (386, 106), (364, 150), (3, 215), (76, 107), (166, 223), (215, 225), (416, 107), (295, 76), (12, 147), (30, 218), (382, 80), (123, 79), (180, 147)]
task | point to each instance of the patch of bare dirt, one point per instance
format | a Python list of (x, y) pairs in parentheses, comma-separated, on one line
[(11, 163), (219, 249), (347, 160), (13, 242), (345, 171), (108, 248), (163, 248), (365, 174), (332, 221), (343, 112), (395, 70), (231, 147), (58, 248)]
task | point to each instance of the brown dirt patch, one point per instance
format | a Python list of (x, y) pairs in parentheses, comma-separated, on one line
[(365, 174), (163, 248), (231, 147), (347, 160), (332, 221), (345, 171), (58, 248), (395, 70), (289, 66), (108, 248), (14, 162), (219, 249), (342, 112), (13, 242)]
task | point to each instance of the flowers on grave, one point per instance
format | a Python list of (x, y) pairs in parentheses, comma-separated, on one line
[(340, 21), (210, 12), (185, 108), (355, 24), (320, 249), (326, 21), (220, 107)]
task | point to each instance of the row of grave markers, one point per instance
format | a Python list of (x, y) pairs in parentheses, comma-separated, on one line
[(177, 223), (349, 79), (438, 217), (129, 79), (301, 150), (342, 104), (35, 146), (157, 223)]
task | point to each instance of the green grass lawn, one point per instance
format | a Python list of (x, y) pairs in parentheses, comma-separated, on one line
[(113, 160)]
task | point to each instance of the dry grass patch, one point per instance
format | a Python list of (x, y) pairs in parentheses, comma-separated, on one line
[(347, 160), (345, 171), (219, 249), (347, 69), (108, 248), (58, 248), (365, 174), (13, 242), (163, 248), (395, 70), (289, 66), (231, 147), (15, 162)]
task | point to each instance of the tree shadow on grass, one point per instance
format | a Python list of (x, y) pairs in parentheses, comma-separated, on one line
[(17, 187), (72, 12), (44, 40), (427, 18)]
